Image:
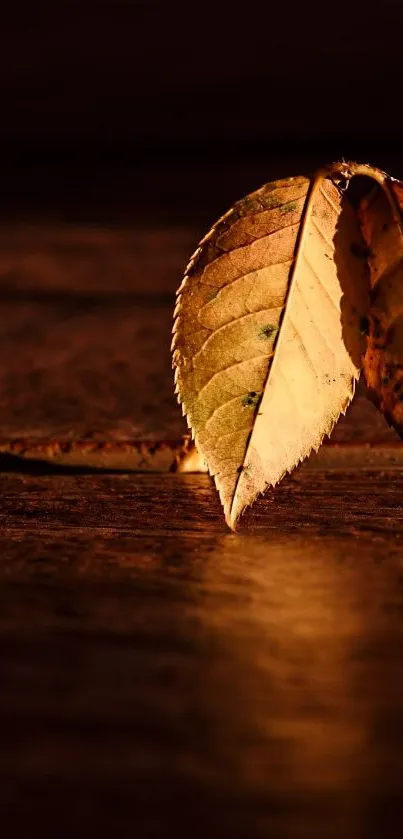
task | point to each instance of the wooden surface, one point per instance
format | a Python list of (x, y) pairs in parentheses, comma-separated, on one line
[(160, 675), (86, 333)]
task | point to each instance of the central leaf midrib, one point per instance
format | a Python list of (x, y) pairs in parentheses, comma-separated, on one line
[(304, 224)]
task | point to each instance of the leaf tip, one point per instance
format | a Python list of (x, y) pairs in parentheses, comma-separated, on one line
[(231, 519), (233, 512)]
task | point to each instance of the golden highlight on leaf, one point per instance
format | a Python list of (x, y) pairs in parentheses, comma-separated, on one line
[(267, 343)]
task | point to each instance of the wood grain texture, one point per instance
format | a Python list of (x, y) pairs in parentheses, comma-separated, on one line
[(144, 504), (160, 673)]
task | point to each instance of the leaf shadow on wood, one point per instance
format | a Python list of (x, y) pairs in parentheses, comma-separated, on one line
[(10, 463)]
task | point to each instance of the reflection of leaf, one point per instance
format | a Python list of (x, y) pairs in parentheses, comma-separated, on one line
[(266, 337), (381, 220)]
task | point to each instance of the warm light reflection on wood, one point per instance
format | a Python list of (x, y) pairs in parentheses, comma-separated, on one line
[(284, 622)]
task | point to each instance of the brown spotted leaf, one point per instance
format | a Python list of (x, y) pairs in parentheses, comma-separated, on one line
[(267, 342), (381, 220)]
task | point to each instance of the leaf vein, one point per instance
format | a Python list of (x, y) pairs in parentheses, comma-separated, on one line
[(223, 405), (321, 233), (329, 200), (224, 325), (304, 348), (320, 281), (242, 277), (230, 367)]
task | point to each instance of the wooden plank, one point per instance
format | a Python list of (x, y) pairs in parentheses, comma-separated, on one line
[(159, 671), (54, 262), (76, 369), (148, 653), (334, 501), (85, 345)]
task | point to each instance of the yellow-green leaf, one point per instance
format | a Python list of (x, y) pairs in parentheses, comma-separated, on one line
[(267, 343)]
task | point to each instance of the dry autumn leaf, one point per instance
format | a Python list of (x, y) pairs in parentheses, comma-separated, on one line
[(381, 220), (267, 343)]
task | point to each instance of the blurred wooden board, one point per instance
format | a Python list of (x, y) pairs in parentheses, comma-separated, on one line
[(85, 344), (85, 333)]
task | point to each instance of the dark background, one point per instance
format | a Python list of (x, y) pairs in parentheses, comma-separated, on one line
[(169, 111)]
